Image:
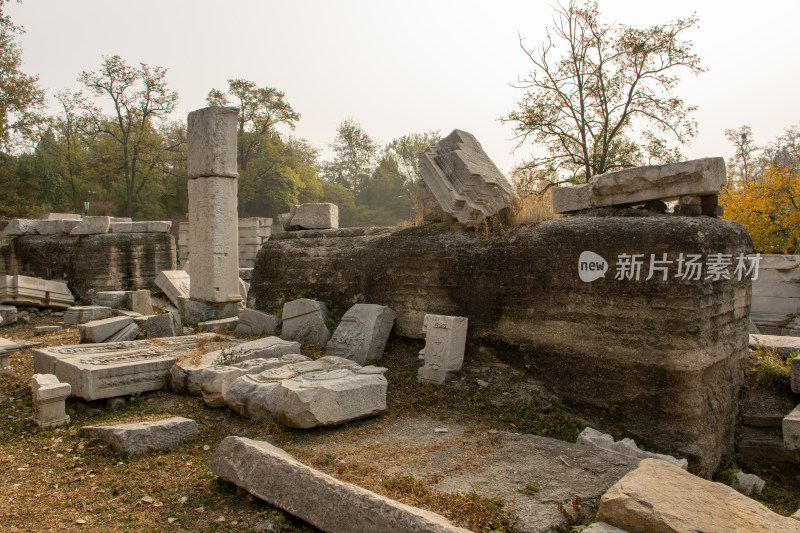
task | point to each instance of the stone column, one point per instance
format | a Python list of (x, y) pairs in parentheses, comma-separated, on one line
[(213, 216)]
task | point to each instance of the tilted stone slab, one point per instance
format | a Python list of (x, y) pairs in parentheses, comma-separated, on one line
[(304, 321), (659, 496), (128, 333), (445, 339), (331, 397), (92, 225), (275, 476), (26, 290), (215, 379), (185, 374), (174, 283), (105, 370), (591, 437), (255, 396), (463, 180), (139, 302), (100, 330), (252, 322), (315, 216), (85, 313), (698, 177), (141, 437), (362, 333)]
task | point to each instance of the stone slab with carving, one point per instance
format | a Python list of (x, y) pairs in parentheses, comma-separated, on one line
[(26, 290), (139, 438), (362, 333), (215, 379), (659, 496), (331, 505), (304, 320), (185, 374), (255, 396), (49, 395), (698, 177), (105, 370), (331, 397), (463, 180), (445, 339)]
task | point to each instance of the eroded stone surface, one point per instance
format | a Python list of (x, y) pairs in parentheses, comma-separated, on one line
[(21, 226), (362, 333), (445, 339), (48, 396), (85, 313), (331, 397), (106, 370), (215, 379), (141, 437), (185, 374), (315, 216), (331, 505), (795, 375), (304, 321), (174, 283), (100, 330), (211, 142), (139, 302), (220, 325), (252, 322), (698, 177), (463, 180), (659, 496), (591, 437), (255, 396), (791, 429), (7, 347), (25, 290), (91, 225), (112, 299), (8, 315), (162, 325)]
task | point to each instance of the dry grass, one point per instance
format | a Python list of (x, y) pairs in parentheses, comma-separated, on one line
[(532, 209)]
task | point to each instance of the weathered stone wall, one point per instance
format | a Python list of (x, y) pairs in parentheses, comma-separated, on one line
[(108, 261), (659, 361)]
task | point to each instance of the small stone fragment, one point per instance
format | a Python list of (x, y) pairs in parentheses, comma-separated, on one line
[(362, 333), (445, 340), (304, 321), (157, 326), (747, 484), (315, 216), (136, 438), (45, 330)]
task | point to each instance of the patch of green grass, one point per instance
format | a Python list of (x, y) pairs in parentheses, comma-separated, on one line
[(531, 487), (770, 370)]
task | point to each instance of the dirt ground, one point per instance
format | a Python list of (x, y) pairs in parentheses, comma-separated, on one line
[(465, 450)]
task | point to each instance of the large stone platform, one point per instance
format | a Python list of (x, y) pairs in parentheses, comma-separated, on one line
[(109, 261), (660, 361)]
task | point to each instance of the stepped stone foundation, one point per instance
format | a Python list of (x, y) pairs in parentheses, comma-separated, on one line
[(659, 360)]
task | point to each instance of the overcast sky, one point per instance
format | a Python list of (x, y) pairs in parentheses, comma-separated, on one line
[(410, 66)]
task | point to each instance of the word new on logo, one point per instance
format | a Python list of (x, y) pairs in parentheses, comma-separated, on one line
[(591, 266)]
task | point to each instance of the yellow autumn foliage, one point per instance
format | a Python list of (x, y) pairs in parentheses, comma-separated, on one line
[(769, 207)]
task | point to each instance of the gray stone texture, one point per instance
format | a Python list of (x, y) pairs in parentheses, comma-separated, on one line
[(463, 180), (791, 429), (602, 527), (174, 283), (107, 370), (215, 379), (112, 299), (92, 225), (211, 142), (26, 290), (795, 375), (698, 177), (7, 347), (185, 374), (581, 341), (331, 397), (100, 330), (255, 396), (784, 346), (56, 226), (776, 292), (220, 325), (21, 226), (314, 216), (747, 484), (196, 311), (48, 396), (445, 340), (591, 437), (102, 262), (162, 325), (85, 313), (44, 330), (362, 333), (139, 302), (61, 216), (304, 320), (659, 496), (252, 322), (275, 476), (142, 437), (8, 315)]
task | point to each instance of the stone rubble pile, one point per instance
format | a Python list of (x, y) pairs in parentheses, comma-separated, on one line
[(462, 179), (25, 290), (71, 224)]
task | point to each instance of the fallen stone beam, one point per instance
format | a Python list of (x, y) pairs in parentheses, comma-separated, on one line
[(698, 177), (333, 506), (139, 437)]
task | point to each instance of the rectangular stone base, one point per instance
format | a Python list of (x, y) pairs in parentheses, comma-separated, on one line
[(199, 311)]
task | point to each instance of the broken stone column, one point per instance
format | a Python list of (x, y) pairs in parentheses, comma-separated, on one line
[(213, 220), (463, 180), (48, 400), (445, 339)]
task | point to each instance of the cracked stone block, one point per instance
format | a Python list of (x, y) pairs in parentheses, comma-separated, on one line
[(445, 340), (211, 142), (21, 226), (362, 333), (174, 283), (112, 299), (304, 321), (141, 437), (156, 326), (48, 396)]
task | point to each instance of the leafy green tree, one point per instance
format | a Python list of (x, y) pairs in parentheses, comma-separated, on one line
[(607, 102), (354, 156), (140, 102), (21, 99), (261, 109), (405, 152), (384, 197)]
